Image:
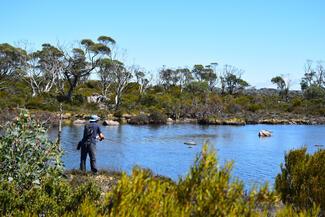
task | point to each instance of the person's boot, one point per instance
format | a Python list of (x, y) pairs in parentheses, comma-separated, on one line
[(83, 166), (93, 167)]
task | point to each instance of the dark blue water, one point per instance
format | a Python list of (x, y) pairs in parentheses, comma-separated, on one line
[(162, 148)]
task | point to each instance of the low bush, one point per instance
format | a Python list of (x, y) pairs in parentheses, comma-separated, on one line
[(52, 198), (157, 117), (206, 191), (255, 107), (78, 100), (139, 119), (302, 179), (26, 153), (234, 108)]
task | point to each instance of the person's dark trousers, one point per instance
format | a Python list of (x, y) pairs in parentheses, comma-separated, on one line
[(91, 150)]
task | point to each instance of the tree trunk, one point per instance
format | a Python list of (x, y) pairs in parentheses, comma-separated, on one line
[(72, 86)]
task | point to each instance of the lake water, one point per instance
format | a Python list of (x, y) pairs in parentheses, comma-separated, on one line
[(162, 148)]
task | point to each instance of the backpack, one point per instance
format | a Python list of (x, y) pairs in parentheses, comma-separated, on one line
[(89, 131)]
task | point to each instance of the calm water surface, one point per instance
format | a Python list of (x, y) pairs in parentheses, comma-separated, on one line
[(162, 148)]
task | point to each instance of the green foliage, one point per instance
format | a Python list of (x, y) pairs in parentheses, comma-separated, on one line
[(282, 86), (52, 198), (157, 117), (27, 154), (314, 92), (206, 191), (139, 119), (231, 81), (78, 100), (43, 78), (142, 194), (302, 179), (255, 107), (197, 87), (291, 212), (12, 61)]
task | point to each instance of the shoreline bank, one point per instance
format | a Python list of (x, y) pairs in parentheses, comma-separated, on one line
[(51, 119)]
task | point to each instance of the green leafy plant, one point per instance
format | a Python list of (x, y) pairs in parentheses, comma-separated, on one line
[(27, 154), (206, 191), (52, 198), (302, 179)]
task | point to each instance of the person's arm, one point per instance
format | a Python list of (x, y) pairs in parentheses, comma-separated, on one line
[(101, 137), (100, 134)]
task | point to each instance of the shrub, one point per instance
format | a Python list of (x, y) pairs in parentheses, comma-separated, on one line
[(149, 100), (234, 108), (208, 190), (139, 119), (302, 179), (118, 113), (51, 198), (205, 191), (314, 92), (255, 107), (26, 153), (35, 103), (78, 100), (244, 101), (291, 212), (157, 117)]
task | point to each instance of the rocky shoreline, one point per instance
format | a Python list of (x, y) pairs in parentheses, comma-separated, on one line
[(240, 119), (265, 119)]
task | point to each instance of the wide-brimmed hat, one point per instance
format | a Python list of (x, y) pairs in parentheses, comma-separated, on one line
[(94, 118)]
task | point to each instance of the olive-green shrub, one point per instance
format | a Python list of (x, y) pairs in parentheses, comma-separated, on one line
[(157, 117), (206, 191), (139, 119), (52, 198), (27, 154), (302, 179)]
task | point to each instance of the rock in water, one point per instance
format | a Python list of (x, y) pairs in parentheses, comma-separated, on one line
[(110, 123), (78, 121), (190, 143), (264, 133)]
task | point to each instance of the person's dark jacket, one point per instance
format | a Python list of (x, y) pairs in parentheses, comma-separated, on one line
[(96, 131)]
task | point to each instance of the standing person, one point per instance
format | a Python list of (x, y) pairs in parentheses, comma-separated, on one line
[(88, 143)]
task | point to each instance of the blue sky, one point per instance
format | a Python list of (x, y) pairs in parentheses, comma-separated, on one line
[(264, 38)]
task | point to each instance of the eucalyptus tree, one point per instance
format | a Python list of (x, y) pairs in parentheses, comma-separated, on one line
[(198, 71), (313, 76), (81, 62), (121, 78), (166, 77), (282, 85), (206, 74), (113, 75), (313, 82), (142, 80), (45, 68), (13, 62), (105, 69), (212, 75), (231, 81), (185, 77)]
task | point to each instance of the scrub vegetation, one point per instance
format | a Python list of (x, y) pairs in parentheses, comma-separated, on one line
[(91, 77)]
